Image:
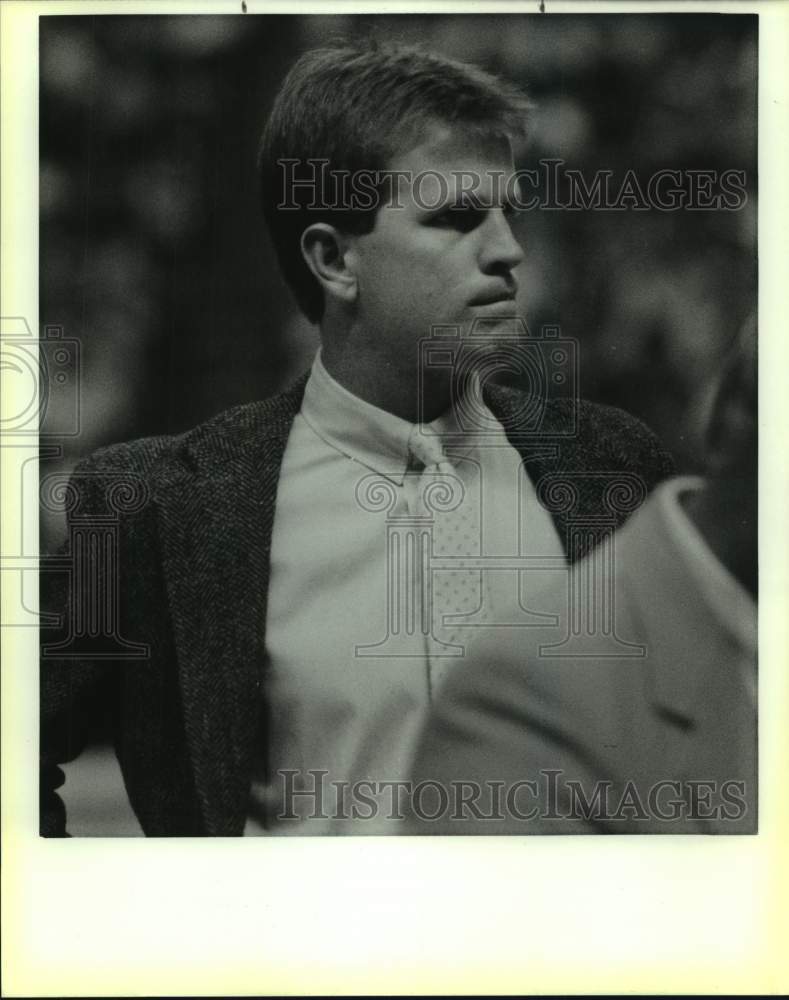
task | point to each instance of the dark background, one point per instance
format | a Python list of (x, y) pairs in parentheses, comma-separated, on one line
[(154, 256)]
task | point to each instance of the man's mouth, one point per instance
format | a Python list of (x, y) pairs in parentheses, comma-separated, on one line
[(506, 295)]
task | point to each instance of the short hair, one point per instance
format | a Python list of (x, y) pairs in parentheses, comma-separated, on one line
[(356, 108)]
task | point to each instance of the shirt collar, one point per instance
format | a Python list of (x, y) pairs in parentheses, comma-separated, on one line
[(365, 433)]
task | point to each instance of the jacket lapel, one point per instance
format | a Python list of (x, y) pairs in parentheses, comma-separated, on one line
[(216, 513), (588, 489)]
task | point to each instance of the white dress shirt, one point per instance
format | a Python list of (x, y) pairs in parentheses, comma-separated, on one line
[(352, 663)]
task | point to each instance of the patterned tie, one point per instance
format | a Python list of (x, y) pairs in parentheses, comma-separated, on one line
[(450, 493)]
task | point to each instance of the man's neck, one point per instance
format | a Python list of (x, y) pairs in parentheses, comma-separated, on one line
[(392, 389)]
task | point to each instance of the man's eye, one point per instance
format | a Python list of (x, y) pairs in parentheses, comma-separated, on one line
[(463, 218)]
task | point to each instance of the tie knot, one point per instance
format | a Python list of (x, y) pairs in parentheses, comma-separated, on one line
[(427, 450)]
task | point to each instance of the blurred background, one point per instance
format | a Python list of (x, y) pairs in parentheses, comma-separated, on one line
[(154, 257)]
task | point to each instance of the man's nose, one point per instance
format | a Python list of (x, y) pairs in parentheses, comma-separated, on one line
[(499, 246)]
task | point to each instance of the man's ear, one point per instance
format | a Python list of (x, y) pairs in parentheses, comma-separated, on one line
[(324, 250)]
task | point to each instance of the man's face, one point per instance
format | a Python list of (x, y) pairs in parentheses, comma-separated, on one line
[(441, 257)]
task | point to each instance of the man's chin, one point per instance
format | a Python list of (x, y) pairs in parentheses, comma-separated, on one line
[(492, 335), (499, 320), (478, 344)]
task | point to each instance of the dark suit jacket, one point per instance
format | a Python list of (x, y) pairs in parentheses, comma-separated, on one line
[(194, 516)]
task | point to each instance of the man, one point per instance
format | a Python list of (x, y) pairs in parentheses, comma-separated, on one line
[(636, 712), (289, 649)]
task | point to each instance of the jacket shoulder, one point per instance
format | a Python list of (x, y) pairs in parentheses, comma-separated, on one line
[(614, 437), (137, 456), (228, 432), (591, 436)]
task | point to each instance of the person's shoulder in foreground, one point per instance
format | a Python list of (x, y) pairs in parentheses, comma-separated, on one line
[(634, 711)]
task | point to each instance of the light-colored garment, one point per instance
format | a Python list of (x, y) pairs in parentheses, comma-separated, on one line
[(643, 692), (356, 638)]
